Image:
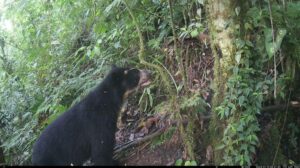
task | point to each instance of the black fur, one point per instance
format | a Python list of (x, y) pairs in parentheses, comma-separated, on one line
[(87, 130)]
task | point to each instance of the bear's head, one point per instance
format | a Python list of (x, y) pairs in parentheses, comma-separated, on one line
[(129, 79)]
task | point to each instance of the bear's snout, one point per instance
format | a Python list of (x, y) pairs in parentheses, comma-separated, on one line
[(145, 76)]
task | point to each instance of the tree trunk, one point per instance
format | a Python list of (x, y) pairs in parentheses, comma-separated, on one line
[(2, 159), (221, 26)]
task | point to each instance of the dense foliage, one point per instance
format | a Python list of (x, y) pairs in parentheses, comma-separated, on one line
[(53, 52), (261, 40)]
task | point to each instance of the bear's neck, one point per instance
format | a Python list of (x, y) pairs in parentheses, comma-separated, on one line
[(109, 94)]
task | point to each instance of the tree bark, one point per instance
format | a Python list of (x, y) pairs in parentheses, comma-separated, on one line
[(2, 159), (221, 26)]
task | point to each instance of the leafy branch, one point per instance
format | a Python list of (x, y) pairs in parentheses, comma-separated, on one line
[(141, 53)]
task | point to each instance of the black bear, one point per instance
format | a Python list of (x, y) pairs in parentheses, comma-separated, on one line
[(87, 130)]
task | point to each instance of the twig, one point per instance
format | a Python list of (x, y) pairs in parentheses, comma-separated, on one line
[(139, 141), (273, 38)]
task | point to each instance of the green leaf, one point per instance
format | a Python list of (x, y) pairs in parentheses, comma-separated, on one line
[(88, 53), (97, 50), (201, 2), (241, 100), (193, 163), (252, 149), (194, 33), (117, 45), (199, 11), (220, 147), (244, 147), (237, 10), (187, 163), (248, 26), (240, 128), (235, 70), (238, 56), (80, 49), (239, 43), (226, 111), (150, 97), (178, 162), (291, 162), (249, 43), (112, 5), (60, 109), (221, 112), (273, 46), (247, 159)]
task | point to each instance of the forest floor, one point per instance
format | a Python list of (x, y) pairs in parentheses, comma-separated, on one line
[(141, 143), (142, 140), (135, 140), (139, 139), (154, 139)]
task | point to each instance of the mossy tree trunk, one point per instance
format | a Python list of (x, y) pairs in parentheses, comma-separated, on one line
[(238, 86), (2, 160), (222, 20)]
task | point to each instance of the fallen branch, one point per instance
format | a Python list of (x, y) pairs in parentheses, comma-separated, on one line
[(280, 107), (130, 144), (139, 141), (126, 145)]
